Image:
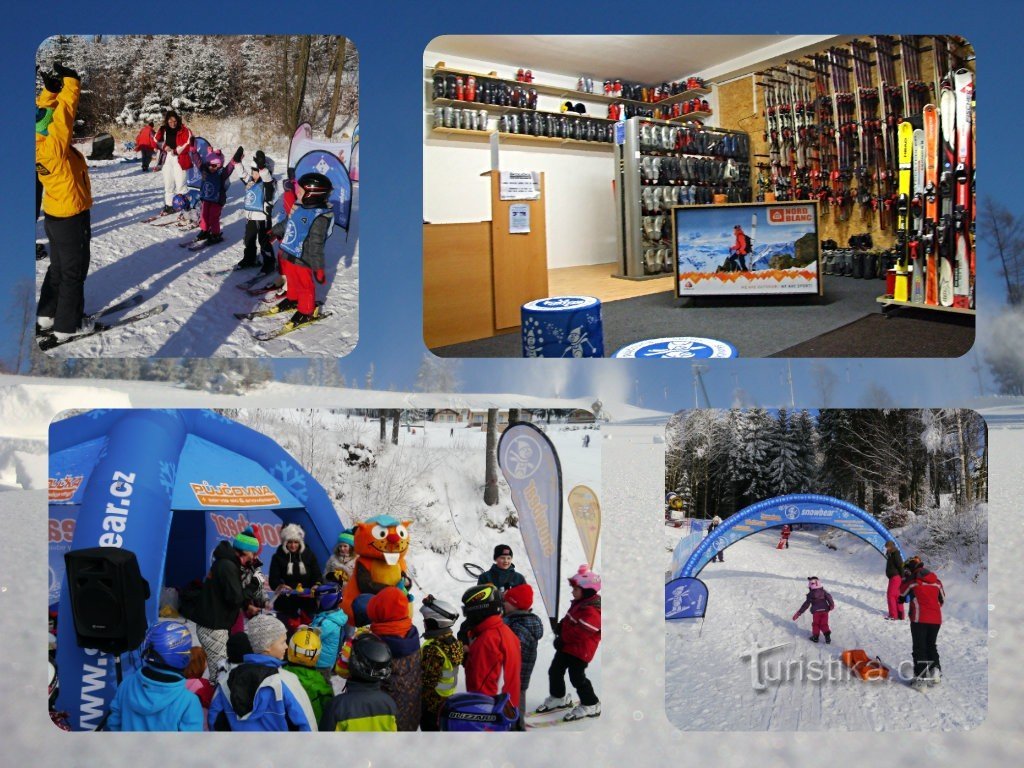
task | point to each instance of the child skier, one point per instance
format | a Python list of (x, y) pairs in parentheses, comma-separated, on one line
[(155, 698), (440, 658), (388, 611), (213, 192), (821, 603), (784, 537), (258, 695), (330, 622), (576, 639), (302, 237), (528, 627), (364, 706), (259, 201), (303, 654), (145, 142), (493, 658)]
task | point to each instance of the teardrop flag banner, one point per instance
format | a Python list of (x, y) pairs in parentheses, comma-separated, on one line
[(534, 475), (586, 511)]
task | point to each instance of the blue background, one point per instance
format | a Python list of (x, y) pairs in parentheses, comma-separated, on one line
[(391, 38)]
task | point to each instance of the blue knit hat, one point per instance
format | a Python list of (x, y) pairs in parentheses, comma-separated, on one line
[(247, 541), (347, 538)]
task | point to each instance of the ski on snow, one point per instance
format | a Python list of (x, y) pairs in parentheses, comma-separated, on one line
[(131, 301), (49, 342), (288, 327)]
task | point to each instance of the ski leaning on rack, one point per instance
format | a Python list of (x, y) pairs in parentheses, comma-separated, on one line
[(963, 294), (49, 342), (947, 115)]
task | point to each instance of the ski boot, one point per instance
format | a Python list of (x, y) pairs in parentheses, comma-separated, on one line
[(247, 263), (301, 318), (269, 263), (581, 711), (167, 209), (40, 251), (203, 235), (551, 703), (215, 238), (814, 638), (285, 305), (44, 326), (85, 327), (828, 638)]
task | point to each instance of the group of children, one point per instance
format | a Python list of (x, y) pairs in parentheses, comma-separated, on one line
[(393, 679)]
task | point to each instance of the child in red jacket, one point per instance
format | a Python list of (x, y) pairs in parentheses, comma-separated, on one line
[(576, 639), (493, 658)]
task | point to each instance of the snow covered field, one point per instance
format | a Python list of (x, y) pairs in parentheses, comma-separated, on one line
[(129, 256), (752, 597)]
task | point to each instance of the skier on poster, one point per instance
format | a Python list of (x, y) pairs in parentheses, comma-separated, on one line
[(739, 250)]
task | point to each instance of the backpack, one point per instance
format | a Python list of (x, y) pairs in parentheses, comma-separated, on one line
[(477, 712), (747, 243)]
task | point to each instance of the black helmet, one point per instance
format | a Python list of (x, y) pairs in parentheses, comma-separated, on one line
[(370, 659), (317, 188), (481, 601)]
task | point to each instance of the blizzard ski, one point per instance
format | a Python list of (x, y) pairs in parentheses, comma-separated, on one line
[(947, 116), (916, 236), (963, 85), (289, 327), (49, 342), (905, 153), (931, 204)]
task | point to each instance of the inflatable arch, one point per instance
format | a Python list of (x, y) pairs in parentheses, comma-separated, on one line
[(167, 485), (686, 595)]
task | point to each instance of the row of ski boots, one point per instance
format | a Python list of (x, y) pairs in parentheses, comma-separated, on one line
[(651, 94), (690, 140), (482, 91), (466, 119), (657, 261), (655, 200), (556, 126), (704, 170), (865, 265)]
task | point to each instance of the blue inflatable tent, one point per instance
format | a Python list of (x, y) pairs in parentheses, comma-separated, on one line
[(167, 485)]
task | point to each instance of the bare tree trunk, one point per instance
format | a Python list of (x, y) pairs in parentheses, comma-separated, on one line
[(25, 294), (383, 426), (286, 79), (395, 416), (301, 71), (964, 469), (491, 471), (513, 416), (339, 68)]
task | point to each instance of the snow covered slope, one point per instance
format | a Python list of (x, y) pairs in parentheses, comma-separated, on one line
[(129, 256), (752, 597)]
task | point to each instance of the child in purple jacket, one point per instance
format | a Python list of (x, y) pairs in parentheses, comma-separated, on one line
[(820, 602)]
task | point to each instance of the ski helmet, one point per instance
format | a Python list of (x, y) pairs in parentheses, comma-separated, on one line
[(181, 203), (53, 687), (584, 578), (327, 597), (481, 601), (168, 643), (304, 647), (370, 659), (215, 159), (316, 188), (442, 614), (813, 582)]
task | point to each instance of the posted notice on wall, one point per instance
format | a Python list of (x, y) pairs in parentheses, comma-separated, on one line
[(519, 185), (519, 219)]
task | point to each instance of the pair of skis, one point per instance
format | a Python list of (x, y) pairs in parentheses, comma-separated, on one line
[(288, 327), (49, 341)]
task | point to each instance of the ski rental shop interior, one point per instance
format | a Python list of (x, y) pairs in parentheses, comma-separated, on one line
[(698, 196)]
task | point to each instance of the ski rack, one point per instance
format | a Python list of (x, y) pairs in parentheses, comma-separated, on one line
[(662, 164)]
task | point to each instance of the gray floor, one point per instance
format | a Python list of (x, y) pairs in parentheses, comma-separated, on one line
[(757, 327)]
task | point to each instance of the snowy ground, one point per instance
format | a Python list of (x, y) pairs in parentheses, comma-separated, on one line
[(129, 256), (752, 597)]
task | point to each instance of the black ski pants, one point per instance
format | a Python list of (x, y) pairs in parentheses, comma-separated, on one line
[(62, 296), (147, 158), (926, 653), (577, 676), (256, 231)]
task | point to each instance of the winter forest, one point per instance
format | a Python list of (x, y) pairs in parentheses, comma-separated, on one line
[(894, 464), (276, 82)]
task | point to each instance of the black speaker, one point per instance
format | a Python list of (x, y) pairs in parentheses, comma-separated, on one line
[(108, 598)]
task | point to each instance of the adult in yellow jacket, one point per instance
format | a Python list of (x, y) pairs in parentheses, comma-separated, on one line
[(66, 202)]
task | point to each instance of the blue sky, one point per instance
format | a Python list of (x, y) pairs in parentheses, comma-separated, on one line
[(391, 87)]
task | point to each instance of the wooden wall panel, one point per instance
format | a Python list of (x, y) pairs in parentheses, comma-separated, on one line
[(458, 294)]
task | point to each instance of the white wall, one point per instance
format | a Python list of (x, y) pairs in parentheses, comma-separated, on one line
[(578, 180)]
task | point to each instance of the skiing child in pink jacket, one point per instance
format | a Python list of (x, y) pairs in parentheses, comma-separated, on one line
[(821, 603)]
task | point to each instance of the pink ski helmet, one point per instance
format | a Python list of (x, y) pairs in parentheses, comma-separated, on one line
[(584, 578), (215, 159)]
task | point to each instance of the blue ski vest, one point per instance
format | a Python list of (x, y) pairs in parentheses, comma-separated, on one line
[(297, 229), (256, 197), (214, 188)]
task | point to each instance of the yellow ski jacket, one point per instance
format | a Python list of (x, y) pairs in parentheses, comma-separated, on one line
[(62, 168)]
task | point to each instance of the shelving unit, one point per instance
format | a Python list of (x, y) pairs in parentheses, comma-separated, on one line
[(521, 138), (888, 303)]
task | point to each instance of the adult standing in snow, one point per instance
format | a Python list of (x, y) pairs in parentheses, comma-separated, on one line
[(174, 138), (145, 142), (894, 573), (222, 597), (64, 174), (715, 522), (926, 599)]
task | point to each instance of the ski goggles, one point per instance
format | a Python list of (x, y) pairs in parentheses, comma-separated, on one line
[(44, 116)]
